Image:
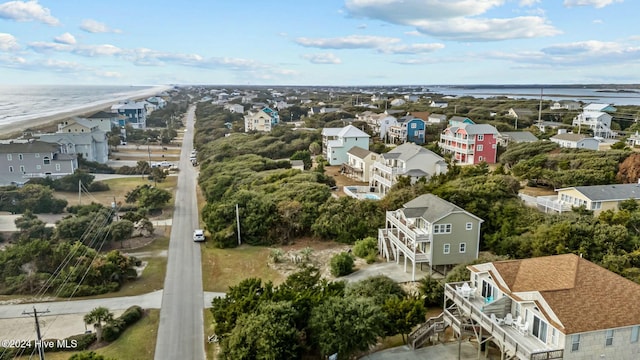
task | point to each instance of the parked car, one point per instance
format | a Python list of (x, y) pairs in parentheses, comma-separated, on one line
[(198, 235), (165, 164)]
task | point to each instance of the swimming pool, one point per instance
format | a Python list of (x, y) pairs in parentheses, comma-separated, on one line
[(371, 197)]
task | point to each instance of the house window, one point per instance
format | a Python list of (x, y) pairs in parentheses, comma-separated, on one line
[(9, 157), (479, 147), (609, 338), (554, 336), (518, 310), (10, 168), (442, 229), (57, 167), (539, 329), (487, 289), (469, 226), (480, 158), (481, 137), (463, 248), (634, 334), (20, 157), (575, 342), (46, 160), (446, 248), (37, 155), (596, 205), (22, 169), (414, 125)]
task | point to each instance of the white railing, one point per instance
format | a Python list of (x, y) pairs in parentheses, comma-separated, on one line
[(458, 139), (511, 343), (551, 202), (410, 232), (407, 251)]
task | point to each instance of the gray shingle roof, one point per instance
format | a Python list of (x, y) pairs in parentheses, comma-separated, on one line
[(520, 136), (408, 150), (28, 147), (610, 192), (475, 129), (359, 152), (430, 207), (570, 137)]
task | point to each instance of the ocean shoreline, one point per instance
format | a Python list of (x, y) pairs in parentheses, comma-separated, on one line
[(16, 128)]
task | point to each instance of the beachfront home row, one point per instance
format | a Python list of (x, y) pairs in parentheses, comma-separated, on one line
[(430, 231), (21, 160), (81, 137), (336, 142), (470, 143), (553, 307)]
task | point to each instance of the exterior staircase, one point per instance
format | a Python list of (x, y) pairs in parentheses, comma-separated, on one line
[(432, 326)]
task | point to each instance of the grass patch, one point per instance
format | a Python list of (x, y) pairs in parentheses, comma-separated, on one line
[(137, 342), (222, 268), (153, 275)]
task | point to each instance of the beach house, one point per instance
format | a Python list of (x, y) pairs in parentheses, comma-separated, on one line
[(336, 142), (82, 138), (21, 160), (552, 307), (470, 143), (409, 160), (431, 231), (135, 113), (597, 118), (261, 120)]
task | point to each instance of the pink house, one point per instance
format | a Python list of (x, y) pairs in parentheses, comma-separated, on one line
[(470, 143)]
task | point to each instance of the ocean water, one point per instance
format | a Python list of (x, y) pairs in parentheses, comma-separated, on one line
[(585, 94), (19, 104)]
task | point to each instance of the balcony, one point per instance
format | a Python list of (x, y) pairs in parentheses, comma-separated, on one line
[(414, 233), (456, 149), (476, 312), (394, 242), (457, 139)]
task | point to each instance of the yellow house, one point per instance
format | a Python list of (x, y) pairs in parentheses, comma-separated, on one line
[(598, 197)]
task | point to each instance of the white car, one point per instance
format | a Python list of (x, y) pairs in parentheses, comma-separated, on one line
[(165, 164), (198, 235)]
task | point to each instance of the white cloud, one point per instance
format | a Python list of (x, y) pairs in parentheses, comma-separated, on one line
[(348, 42), (8, 42), (325, 58), (65, 38), (453, 19), (598, 21), (583, 53), (528, 2), (466, 29), (595, 3), (411, 48), (27, 11), (41, 46), (92, 26), (407, 11), (413, 33), (108, 74), (62, 66)]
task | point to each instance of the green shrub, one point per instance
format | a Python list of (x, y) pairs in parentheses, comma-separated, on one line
[(111, 332), (366, 248), (131, 315), (342, 264)]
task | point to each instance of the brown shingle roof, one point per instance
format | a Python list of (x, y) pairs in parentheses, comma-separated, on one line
[(424, 115), (584, 296), (359, 152)]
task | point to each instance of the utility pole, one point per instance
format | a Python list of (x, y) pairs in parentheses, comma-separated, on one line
[(238, 222), (79, 192), (540, 107), (39, 336)]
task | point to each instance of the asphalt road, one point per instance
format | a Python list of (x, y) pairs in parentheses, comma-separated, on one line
[(181, 330)]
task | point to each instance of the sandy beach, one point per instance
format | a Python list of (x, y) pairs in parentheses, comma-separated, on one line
[(15, 129)]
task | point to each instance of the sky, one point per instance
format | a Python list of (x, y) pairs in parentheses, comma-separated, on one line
[(319, 42)]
